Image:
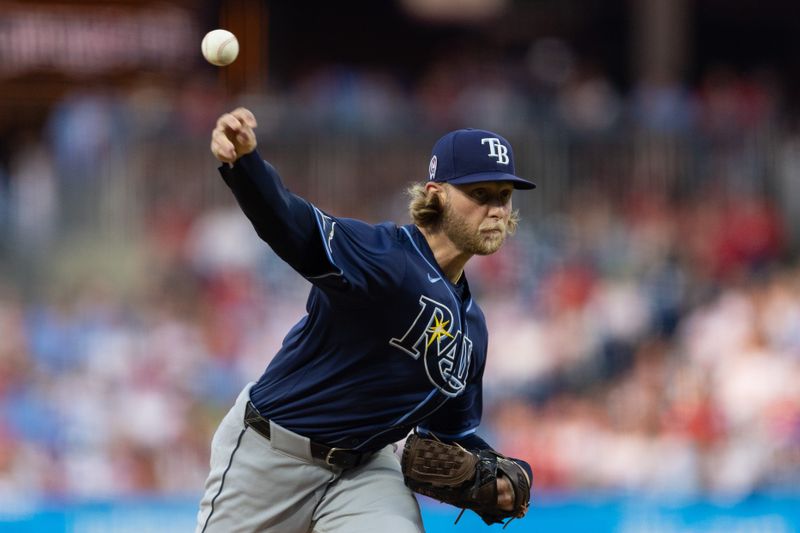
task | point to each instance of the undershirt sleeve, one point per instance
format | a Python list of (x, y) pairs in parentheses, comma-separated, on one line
[(285, 221), (343, 256)]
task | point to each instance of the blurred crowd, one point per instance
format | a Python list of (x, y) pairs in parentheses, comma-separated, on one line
[(644, 324), (661, 358)]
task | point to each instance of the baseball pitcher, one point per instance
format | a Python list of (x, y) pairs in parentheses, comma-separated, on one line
[(392, 343)]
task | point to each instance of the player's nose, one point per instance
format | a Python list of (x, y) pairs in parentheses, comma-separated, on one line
[(498, 210)]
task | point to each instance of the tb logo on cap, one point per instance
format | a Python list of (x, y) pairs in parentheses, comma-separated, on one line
[(497, 149)]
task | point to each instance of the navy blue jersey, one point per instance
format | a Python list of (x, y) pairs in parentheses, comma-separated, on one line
[(389, 343)]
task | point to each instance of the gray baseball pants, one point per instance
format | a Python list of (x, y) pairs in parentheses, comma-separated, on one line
[(275, 485)]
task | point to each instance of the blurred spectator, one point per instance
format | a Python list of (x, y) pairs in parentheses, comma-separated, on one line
[(32, 198), (588, 103), (662, 105)]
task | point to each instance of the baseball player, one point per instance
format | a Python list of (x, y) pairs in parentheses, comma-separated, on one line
[(392, 342)]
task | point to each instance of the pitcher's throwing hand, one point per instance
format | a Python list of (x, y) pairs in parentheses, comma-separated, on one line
[(233, 136)]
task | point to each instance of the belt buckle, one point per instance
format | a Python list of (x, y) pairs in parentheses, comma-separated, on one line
[(329, 458)]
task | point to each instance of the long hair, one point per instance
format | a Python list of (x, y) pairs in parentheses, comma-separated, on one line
[(426, 209)]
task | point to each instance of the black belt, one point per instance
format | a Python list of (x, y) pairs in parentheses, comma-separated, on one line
[(338, 457)]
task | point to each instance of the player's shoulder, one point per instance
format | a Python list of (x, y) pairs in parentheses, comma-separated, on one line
[(354, 225)]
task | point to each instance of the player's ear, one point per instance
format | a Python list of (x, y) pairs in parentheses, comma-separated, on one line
[(438, 189)]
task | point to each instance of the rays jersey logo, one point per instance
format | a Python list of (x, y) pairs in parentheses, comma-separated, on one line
[(446, 353)]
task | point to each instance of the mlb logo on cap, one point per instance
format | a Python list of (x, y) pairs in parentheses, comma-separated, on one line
[(470, 156)]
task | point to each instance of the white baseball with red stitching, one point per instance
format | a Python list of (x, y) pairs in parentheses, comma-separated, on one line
[(220, 47)]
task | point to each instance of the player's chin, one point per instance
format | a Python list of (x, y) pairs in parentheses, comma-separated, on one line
[(490, 242)]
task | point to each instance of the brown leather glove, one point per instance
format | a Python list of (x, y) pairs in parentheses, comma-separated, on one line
[(459, 477)]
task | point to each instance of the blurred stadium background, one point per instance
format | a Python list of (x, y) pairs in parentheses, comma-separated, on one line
[(645, 321)]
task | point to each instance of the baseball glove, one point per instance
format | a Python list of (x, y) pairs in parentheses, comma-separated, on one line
[(459, 477)]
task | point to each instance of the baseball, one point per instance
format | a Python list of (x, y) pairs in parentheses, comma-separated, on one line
[(220, 47)]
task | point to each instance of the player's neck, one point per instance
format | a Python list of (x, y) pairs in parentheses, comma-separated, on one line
[(449, 257)]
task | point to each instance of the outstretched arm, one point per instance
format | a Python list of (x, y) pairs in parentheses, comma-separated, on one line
[(285, 221)]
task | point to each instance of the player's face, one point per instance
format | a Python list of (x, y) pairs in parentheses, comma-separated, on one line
[(476, 216)]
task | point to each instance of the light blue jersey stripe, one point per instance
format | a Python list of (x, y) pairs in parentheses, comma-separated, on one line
[(450, 436), (328, 252)]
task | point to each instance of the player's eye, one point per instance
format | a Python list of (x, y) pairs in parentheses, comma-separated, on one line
[(478, 194)]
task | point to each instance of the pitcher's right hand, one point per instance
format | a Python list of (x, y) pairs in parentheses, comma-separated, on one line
[(233, 136)]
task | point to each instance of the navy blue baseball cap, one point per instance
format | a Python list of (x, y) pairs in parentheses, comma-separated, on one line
[(470, 155)]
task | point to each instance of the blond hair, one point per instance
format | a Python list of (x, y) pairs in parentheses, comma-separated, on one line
[(426, 209)]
